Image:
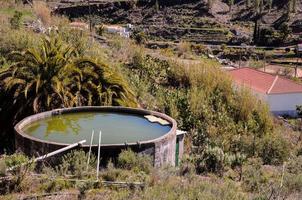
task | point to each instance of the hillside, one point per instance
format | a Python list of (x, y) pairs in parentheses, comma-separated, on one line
[(233, 148), (190, 20)]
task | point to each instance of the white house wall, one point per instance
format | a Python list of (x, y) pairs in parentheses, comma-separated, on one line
[(284, 103)]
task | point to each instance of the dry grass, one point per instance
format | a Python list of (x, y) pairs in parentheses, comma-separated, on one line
[(43, 12), (184, 49)]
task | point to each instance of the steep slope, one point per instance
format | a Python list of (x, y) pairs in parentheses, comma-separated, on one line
[(190, 20)]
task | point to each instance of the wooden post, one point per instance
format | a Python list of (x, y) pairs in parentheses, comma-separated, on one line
[(98, 163), (88, 160)]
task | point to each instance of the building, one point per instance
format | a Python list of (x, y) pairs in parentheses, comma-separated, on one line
[(123, 31), (281, 94)]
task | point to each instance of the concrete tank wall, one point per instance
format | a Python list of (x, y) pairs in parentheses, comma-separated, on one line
[(161, 150)]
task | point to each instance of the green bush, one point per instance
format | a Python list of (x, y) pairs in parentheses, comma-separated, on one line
[(133, 161), (273, 149), (21, 167), (110, 173), (254, 178), (15, 160), (75, 163), (294, 166), (15, 21), (17, 40), (192, 188), (212, 159), (187, 167), (293, 183), (55, 185), (2, 168), (140, 37), (117, 174)]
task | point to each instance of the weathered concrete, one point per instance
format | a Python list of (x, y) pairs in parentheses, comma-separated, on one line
[(162, 149)]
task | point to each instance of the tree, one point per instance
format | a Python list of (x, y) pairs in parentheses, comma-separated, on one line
[(53, 76), (230, 3), (270, 5), (261, 6), (257, 6)]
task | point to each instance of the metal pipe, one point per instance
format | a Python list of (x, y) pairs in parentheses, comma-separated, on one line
[(88, 160), (99, 150), (50, 154)]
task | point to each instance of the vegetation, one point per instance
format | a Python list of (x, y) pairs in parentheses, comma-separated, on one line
[(234, 148), (53, 76)]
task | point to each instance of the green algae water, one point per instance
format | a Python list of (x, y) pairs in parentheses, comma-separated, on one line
[(116, 128)]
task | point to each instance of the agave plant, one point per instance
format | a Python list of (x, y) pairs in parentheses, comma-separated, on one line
[(53, 75)]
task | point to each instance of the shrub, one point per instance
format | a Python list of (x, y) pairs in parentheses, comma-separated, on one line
[(54, 185), (192, 188), (253, 175), (100, 30), (293, 183), (16, 160), (15, 21), (140, 37), (43, 12), (117, 174), (293, 175), (75, 163), (133, 161), (79, 40), (111, 173), (184, 49), (273, 149), (21, 167), (294, 166), (212, 159), (16, 40), (200, 49), (236, 160), (187, 167), (2, 168)]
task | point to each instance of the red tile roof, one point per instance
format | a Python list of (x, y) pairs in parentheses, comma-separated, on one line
[(263, 82)]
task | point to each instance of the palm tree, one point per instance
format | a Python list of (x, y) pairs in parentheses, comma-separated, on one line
[(53, 75), (98, 84)]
